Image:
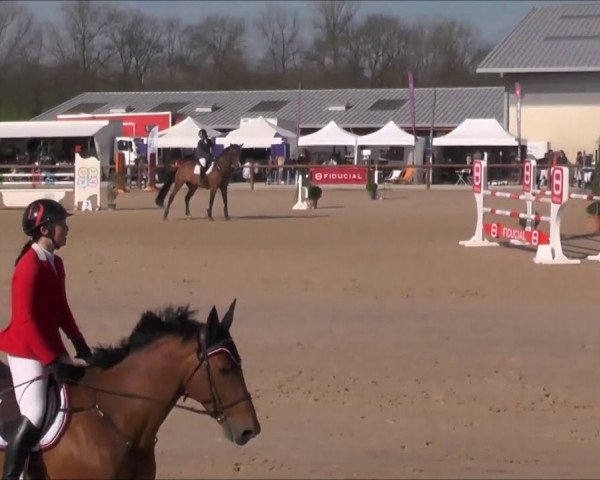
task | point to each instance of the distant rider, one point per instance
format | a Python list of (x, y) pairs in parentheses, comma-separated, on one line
[(205, 152)]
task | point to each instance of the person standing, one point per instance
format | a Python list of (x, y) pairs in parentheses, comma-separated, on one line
[(39, 310)]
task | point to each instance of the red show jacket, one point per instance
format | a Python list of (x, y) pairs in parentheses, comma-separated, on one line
[(39, 311)]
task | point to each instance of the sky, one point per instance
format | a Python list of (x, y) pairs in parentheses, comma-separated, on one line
[(495, 19)]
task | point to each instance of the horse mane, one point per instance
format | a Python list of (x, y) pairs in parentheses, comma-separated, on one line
[(227, 148), (177, 322)]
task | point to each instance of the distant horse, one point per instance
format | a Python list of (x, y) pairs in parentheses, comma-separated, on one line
[(125, 395), (218, 178)]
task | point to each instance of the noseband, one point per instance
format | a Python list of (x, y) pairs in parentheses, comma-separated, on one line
[(203, 353)]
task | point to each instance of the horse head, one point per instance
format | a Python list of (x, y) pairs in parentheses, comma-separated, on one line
[(236, 155), (216, 379)]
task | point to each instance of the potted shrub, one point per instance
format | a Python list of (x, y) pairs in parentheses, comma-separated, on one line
[(593, 209), (523, 222), (112, 190), (313, 195), (372, 190)]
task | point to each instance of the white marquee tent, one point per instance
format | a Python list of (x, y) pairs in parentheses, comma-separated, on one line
[(389, 134), (102, 131), (258, 133), (481, 132), (183, 135), (331, 134)]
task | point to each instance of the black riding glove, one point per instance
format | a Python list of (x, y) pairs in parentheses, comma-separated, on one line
[(65, 372), (83, 352)]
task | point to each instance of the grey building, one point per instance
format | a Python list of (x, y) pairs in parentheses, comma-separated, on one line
[(554, 54), (359, 110)]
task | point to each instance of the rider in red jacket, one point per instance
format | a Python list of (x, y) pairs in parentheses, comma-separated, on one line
[(39, 311)]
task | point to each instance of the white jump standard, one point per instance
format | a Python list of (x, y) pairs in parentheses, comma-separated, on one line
[(549, 247)]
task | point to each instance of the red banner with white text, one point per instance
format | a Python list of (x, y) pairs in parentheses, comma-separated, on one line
[(338, 175)]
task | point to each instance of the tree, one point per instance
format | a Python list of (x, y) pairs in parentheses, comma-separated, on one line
[(446, 52), (21, 40), (119, 34), (384, 47), (220, 41), (172, 47), (280, 31), (334, 18), (85, 41), (145, 39), (20, 36)]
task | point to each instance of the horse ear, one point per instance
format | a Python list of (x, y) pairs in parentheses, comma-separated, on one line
[(228, 317), (212, 325)]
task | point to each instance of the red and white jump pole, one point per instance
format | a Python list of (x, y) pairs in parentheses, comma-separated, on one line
[(549, 248)]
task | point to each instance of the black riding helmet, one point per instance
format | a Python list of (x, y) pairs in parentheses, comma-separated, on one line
[(41, 212)]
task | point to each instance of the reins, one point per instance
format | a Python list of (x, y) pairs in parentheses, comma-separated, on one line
[(28, 382), (203, 353), (116, 394)]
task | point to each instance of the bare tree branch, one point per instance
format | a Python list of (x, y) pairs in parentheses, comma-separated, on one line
[(280, 30), (334, 17), (86, 38), (19, 35)]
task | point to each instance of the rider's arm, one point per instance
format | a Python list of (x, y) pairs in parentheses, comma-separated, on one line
[(67, 321), (26, 287)]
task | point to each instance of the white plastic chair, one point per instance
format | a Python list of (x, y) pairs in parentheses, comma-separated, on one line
[(394, 176)]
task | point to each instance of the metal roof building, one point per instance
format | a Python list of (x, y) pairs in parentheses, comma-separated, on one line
[(350, 108), (562, 38), (554, 55)]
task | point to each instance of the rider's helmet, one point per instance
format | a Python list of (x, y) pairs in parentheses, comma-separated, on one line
[(41, 212)]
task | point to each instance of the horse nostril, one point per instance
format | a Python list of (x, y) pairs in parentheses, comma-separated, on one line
[(247, 435)]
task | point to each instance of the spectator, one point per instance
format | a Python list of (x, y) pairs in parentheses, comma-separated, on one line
[(562, 158)]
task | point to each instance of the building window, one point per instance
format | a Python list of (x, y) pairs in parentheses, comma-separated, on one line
[(126, 109), (85, 108), (572, 37), (207, 108), (342, 107), (269, 106), (392, 104), (169, 107), (572, 17)]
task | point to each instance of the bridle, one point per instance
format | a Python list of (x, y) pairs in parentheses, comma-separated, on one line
[(203, 353)]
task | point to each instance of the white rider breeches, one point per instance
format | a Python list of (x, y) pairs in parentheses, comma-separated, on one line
[(31, 396), (203, 162)]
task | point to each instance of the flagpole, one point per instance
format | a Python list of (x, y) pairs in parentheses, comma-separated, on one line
[(518, 94), (411, 94), (430, 160), (298, 110), (298, 119)]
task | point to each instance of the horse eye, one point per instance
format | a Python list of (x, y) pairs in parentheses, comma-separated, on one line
[(225, 370)]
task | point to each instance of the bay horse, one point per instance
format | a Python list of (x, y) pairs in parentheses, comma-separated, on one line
[(218, 178), (123, 397)]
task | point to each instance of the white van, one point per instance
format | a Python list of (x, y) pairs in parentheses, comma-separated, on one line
[(132, 148)]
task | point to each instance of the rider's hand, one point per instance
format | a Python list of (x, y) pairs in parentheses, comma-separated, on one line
[(65, 372), (83, 352)]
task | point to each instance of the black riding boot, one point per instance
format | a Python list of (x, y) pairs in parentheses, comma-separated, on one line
[(18, 449)]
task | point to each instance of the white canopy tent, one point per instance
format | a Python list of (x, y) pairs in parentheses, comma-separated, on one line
[(103, 132), (258, 133), (389, 134), (184, 134), (331, 134), (481, 132)]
